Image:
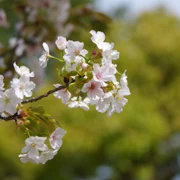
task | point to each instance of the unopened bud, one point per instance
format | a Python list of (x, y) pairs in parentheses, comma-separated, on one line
[(26, 123), (84, 65)]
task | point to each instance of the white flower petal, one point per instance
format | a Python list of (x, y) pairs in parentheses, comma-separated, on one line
[(46, 48), (56, 138)]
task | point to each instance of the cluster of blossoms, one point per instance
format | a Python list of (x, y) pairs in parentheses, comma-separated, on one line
[(37, 151), (94, 76), (20, 87), (90, 79), (37, 21)]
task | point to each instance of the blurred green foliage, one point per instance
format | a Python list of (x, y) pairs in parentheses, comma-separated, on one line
[(141, 143)]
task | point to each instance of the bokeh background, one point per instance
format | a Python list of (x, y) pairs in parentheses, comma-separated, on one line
[(142, 142)]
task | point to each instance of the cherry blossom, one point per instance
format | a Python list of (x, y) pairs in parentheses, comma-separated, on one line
[(56, 138), (25, 158), (117, 105), (124, 91), (104, 103), (74, 48), (9, 101), (89, 80), (45, 56), (109, 55), (34, 145), (62, 94), (23, 70), (119, 101), (22, 86), (103, 73), (37, 151), (47, 155), (93, 89), (61, 42), (75, 103), (98, 38)]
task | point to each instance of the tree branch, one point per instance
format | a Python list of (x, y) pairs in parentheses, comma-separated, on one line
[(34, 99), (46, 94)]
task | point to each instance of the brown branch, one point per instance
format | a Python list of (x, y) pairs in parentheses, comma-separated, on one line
[(34, 99), (10, 118), (46, 94)]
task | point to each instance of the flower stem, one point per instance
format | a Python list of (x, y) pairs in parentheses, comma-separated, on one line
[(119, 73), (49, 56), (27, 130)]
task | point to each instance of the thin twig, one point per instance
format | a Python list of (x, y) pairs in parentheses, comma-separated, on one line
[(34, 99), (10, 118), (44, 95)]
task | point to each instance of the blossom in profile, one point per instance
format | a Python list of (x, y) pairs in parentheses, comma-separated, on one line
[(45, 56), (124, 90), (9, 101), (119, 100), (98, 39), (23, 70), (109, 55), (56, 138), (47, 155)]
